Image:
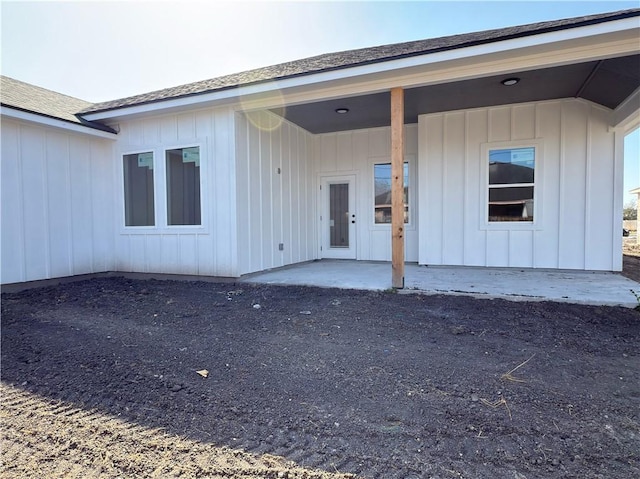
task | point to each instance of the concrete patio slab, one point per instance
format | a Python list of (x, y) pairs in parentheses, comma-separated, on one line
[(582, 287)]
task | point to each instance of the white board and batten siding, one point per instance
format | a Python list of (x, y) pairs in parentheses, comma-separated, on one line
[(354, 153), (576, 189), (57, 203), (275, 192), (209, 249)]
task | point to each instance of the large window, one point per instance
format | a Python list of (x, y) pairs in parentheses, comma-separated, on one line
[(511, 184), (166, 192), (139, 189), (382, 192), (183, 186)]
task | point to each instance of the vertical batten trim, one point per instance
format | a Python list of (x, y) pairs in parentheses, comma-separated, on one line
[(23, 235), (217, 238), (512, 115), (288, 241), (45, 209), (537, 171), (303, 247), (196, 238), (70, 246), (232, 155), (587, 183), (616, 217), (465, 185), (484, 174), (117, 210), (146, 253), (561, 173), (443, 187), (311, 235), (291, 131), (247, 140), (309, 198), (271, 195), (300, 195), (162, 249), (296, 152), (179, 237), (91, 195), (281, 257), (260, 183), (70, 210), (302, 152)]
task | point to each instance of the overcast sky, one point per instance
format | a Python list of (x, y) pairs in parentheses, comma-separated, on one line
[(100, 51)]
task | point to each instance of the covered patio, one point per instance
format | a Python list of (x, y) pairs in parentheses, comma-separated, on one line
[(580, 287)]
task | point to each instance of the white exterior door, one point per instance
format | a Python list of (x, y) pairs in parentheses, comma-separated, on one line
[(338, 217)]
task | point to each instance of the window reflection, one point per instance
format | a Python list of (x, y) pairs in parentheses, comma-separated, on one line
[(138, 189), (511, 184), (382, 188)]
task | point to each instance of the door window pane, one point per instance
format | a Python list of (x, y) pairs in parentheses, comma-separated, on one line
[(183, 186), (138, 189), (339, 215), (382, 188)]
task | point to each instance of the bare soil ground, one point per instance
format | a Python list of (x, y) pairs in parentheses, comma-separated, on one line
[(100, 379), (631, 259)]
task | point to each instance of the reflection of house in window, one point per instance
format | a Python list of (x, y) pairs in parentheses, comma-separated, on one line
[(382, 184), (511, 184)]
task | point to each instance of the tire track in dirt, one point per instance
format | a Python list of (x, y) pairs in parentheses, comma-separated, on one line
[(44, 438)]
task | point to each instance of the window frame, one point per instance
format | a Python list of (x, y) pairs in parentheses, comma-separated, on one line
[(486, 148), (411, 196), (123, 206), (160, 188), (165, 197)]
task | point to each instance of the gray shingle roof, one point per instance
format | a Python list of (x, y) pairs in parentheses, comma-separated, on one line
[(352, 58), (33, 99)]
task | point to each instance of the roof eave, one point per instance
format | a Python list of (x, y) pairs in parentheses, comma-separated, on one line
[(87, 128)]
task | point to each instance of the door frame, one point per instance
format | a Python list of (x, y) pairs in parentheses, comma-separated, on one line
[(324, 249)]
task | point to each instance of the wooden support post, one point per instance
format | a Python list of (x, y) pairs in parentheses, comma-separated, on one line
[(397, 187)]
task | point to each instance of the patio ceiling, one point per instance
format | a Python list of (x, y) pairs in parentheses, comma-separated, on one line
[(606, 82)]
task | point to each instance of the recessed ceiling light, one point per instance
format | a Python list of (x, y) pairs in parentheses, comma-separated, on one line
[(510, 81), (342, 111)]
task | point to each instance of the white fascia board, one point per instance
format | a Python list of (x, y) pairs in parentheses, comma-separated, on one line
[(9, 112), (267, 87)]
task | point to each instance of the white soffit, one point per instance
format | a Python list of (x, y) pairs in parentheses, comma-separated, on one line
[(592, 42)]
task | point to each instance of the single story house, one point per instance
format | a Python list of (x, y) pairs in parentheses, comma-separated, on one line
[(495, 148)]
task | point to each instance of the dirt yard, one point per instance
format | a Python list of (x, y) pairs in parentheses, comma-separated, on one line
[(631, 259), (106, 378)]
